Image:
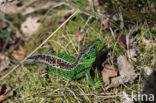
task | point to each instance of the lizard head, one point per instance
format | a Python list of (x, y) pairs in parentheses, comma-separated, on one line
[(88, 53)]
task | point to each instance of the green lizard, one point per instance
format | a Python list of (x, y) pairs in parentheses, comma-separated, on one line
[(69, 67)]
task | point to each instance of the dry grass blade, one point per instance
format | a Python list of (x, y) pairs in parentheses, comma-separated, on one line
[(40, 45)]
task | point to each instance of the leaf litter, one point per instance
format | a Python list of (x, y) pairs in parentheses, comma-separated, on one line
[(5, 92), (30, 26), (126, 73), (4, 62)]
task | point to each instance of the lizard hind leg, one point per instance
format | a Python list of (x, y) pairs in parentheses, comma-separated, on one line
[(96, 84)]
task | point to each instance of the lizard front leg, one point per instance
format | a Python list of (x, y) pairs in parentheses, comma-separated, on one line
[(96, 84), (50, 51)]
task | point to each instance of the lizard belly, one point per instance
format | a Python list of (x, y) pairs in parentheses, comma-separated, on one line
[(74, 74)]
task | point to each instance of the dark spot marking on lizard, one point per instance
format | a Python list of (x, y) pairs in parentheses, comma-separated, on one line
[(94, 46), (51, 60), (88, 57)]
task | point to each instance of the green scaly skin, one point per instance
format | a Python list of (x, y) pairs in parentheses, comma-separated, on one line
[(81, 65)]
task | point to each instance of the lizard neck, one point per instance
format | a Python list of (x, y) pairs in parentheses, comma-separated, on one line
[(83, 51)]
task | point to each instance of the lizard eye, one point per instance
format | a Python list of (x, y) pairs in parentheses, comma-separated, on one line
[(94, 46), (88, 57)]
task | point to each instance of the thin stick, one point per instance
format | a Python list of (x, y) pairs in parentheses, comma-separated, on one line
[(40, 45), (71, 95)]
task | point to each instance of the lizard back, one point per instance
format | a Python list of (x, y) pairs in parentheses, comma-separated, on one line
[(68, 66)]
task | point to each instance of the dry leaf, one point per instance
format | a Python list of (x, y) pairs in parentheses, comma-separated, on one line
[(5, 92), (11, 7), (149, 43), (107, 9), (124, 66), (111, 58), (126, 72), (134, 30), (2, 43), (108, 72), (19, 53), (79, 37), (30, 26), (129, 41), (122, 39), (4, 62), (154, 28), (131, 54), (80, 34), (105, 24), (148, 70), (13, 36)]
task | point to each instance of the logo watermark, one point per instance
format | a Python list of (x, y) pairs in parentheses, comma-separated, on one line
[(140, 97), (133, 96)]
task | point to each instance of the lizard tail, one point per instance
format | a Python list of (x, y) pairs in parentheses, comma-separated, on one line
[(52, 60)]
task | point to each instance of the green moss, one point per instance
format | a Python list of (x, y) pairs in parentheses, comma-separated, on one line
[(5, 34), (65, 41)]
